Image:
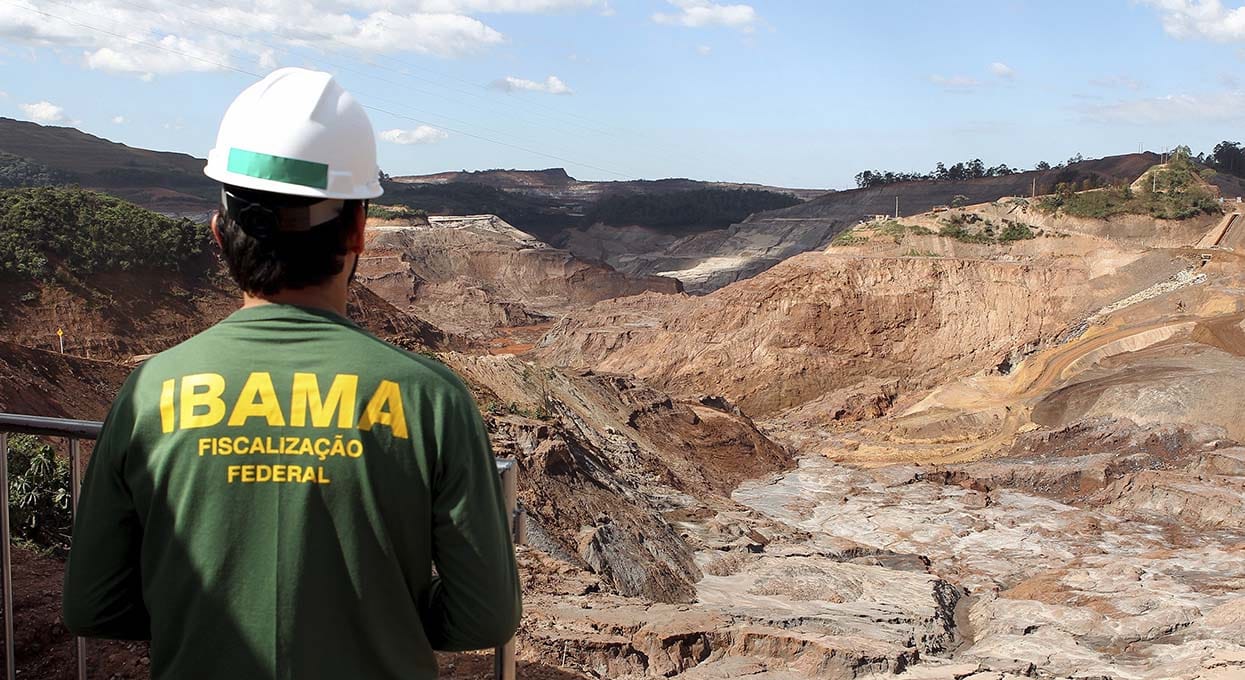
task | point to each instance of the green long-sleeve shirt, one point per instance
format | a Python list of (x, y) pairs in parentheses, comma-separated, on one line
[(267, 500)]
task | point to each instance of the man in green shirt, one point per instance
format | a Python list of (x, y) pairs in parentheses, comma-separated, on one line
[(269, 498)]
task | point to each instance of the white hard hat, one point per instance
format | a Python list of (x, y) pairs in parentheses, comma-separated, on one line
[(297, 132)]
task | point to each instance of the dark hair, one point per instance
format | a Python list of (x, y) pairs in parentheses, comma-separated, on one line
[(279, 260)]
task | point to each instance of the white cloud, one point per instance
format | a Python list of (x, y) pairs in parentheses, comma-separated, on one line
[(1002, 70), (702, 13), (45, 112), (551, 85), (704, 50), (174, 55), (444, 35), (180, 37), (3, 94), (424, 134), (1207, 19), (1184, 108), (955, 82), (118, 120), (499, 6)]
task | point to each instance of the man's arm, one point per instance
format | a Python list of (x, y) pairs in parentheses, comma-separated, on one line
[(103, 594), (475, 601)]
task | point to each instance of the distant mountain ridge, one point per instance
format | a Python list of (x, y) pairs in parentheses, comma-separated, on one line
[(158, 180), (559, 183), (540, 201)]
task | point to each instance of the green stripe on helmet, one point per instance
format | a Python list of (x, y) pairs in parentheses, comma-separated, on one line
[(278, 169)]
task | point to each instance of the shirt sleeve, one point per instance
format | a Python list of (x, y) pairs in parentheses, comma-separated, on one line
[(475, 600), (103, 585)]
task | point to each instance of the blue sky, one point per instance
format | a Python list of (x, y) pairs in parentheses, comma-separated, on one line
[(779, 92)]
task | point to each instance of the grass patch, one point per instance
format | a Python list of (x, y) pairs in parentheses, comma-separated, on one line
[(913, 252), (848, 238), (394, 212)]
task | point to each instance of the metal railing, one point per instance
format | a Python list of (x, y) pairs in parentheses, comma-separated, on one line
[(77, 430)]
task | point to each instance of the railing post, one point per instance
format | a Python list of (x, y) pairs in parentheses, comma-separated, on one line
[(75, 488), (6, 552), (504, 656)]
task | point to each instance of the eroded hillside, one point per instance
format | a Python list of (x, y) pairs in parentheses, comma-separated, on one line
[(480, 277), (709, 260)]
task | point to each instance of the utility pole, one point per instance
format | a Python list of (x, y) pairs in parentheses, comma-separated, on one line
[(896, 207), (1035, 187)]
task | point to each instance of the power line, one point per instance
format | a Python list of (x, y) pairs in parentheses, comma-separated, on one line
[(395, 114)]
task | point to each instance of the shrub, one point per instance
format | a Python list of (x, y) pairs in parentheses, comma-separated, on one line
[(1015, 231), (39, 494)]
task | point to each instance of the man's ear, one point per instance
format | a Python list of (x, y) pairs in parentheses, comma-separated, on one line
[(355, 242), (215, 229)]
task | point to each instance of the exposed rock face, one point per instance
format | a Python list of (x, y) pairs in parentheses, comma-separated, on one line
[(624, 639), (607, 463), (820, 322), (473, 274)]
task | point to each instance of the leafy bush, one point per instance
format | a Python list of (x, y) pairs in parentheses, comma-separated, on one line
[(1015, 231), (39, 494), (956, 227), (46, 228), (694, 208)]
